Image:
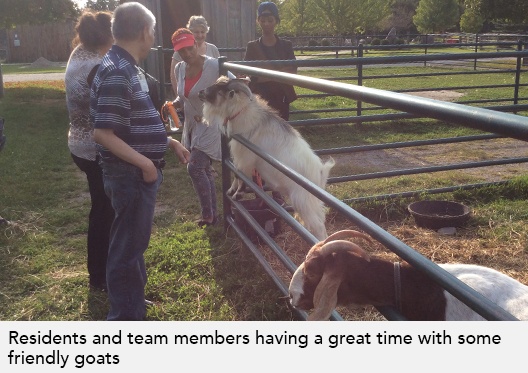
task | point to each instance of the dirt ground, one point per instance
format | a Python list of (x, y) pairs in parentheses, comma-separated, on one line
[(431, 155)]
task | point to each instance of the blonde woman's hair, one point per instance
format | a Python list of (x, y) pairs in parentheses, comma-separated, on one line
[(196, 21)]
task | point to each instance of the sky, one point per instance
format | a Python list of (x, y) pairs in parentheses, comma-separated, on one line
[(80, 3)]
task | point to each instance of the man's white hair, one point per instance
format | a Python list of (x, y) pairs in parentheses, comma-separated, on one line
[(130, 19)]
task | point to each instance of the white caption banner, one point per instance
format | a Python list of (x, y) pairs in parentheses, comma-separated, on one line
[(260, 346)]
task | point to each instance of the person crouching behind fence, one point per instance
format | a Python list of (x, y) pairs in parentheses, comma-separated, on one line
[(132, 142), (194, 73)]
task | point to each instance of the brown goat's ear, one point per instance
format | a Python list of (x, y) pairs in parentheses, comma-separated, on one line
[(325, 295)]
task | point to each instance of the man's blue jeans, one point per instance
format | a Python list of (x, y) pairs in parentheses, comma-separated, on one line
[(133, 201)]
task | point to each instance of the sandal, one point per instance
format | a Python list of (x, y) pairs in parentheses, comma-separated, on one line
[(204, 223)]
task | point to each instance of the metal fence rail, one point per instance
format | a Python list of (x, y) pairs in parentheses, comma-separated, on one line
[(501, 124), (518, 51), (485, 120), (361, 62)]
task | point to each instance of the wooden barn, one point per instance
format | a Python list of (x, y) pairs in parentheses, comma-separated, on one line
[(29, 42), (232, 24)]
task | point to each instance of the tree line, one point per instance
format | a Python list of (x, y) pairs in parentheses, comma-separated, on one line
[(20, 12), (324, 17), (348, 17)]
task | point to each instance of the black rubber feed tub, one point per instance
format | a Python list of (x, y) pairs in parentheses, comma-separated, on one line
[(439, 214)]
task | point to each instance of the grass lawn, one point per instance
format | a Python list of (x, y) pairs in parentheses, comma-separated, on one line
[(195, 273)]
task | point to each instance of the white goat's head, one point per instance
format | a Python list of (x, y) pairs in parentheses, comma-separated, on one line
[(225, 89)]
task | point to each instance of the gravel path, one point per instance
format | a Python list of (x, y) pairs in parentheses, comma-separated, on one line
[(32, 77)]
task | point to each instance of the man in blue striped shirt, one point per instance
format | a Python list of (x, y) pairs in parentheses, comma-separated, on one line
[(131, 142)]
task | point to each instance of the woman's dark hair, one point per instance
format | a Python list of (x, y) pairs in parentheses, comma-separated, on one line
[(93, 30)]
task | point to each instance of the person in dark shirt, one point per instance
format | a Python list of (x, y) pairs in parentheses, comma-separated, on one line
[(131, 142), (270, 47)]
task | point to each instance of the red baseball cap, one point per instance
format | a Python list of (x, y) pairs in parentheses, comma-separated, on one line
[(183, 41)]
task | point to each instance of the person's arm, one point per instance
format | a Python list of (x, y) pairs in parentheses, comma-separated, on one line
[(290, 56), (174, 79), (249, 56), (177, 102), (107, 138), (215, 53), (181, 152)]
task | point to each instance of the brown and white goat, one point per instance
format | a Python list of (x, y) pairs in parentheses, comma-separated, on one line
[(231, 103), (339, 272)]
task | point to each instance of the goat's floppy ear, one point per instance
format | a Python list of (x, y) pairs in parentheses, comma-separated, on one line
[(325, 295)]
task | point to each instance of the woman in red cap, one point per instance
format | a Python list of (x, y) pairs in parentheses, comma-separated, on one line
[(270, 47), (199, 27), (194, 73)]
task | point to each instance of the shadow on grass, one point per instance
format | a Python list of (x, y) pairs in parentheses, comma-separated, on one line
[(248, 288)]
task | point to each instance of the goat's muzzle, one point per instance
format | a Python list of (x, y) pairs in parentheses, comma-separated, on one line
[(201, 95)]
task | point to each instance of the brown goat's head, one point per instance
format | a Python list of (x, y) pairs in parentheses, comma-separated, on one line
[(316, 281)]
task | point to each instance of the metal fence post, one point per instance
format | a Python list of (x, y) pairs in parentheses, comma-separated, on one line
[(161, 74), (360, 78), (425, 49), (1, 83), (517, 75), (476, 51), (226, 156), (525, 59)]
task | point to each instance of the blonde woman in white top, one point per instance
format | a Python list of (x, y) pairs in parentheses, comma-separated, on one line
[(199, 27)]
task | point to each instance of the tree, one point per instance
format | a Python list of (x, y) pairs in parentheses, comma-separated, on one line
[(509, 11), (401, 14), (102, 4), (472, 19), (344, 16), (297, 16), (370, 13), (336, 17), (436, 15), (14, 12)]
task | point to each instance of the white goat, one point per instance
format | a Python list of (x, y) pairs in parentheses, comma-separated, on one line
[(231, 102), (338, 272)]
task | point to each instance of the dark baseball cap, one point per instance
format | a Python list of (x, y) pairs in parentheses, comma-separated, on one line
[(268, 8)]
